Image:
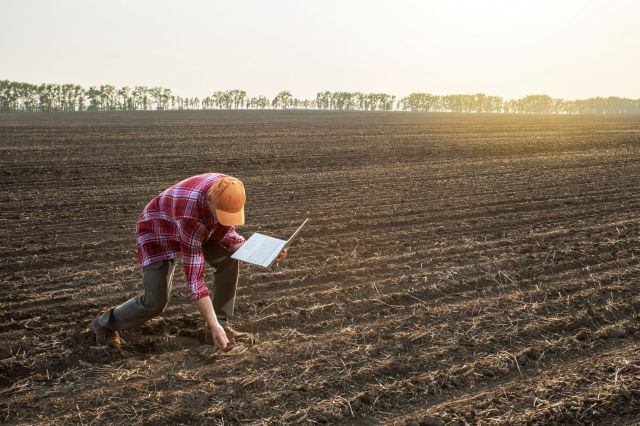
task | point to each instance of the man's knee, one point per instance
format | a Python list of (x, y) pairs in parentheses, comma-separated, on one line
[(155, 304)]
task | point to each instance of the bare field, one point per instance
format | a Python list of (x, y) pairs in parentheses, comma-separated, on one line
[(456, 269)]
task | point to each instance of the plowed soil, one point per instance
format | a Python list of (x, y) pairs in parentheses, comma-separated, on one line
[(456, 269)]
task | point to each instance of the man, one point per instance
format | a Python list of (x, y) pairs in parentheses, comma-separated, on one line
[(194, 219)]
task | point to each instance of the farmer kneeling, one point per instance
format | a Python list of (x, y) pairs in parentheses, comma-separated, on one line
[(194, 219)]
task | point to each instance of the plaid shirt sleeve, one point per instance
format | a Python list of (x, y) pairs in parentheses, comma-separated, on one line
[(231, 238), (192, 232)]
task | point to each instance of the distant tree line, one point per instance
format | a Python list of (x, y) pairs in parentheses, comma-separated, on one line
[(532, 104), (354, 101), (18, 96)]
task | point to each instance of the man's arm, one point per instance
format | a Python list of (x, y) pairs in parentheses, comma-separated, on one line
[(232, 240), (217, 332), (191, 232)]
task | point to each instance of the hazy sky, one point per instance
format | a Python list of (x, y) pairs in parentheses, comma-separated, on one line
[(511, 48)]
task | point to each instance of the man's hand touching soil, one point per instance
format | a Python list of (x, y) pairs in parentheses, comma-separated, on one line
[(220, 337), (217, 332)]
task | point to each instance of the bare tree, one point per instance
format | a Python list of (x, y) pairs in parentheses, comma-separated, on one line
[(282, 100)]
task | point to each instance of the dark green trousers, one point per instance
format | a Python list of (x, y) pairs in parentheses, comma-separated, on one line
[(157, 280)]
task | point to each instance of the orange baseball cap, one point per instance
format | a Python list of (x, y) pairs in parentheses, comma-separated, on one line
[(228, 195)]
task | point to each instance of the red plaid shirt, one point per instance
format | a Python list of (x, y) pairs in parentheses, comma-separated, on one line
[(177, 223)]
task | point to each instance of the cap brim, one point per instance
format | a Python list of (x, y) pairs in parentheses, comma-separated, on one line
[(230, 219)]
